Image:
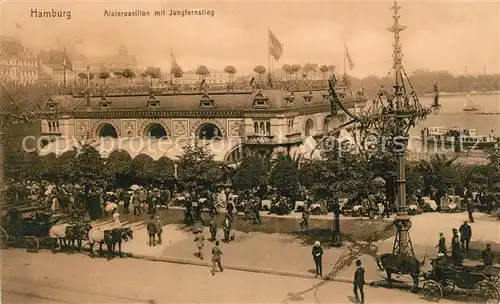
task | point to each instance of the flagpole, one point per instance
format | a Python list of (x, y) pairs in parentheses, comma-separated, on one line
[(170, 66), (345, 48), (268, 51)]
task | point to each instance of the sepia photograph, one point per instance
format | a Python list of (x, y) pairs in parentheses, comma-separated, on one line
[(158, 152)]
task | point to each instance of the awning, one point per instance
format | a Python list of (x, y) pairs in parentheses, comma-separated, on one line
[(155, 148)]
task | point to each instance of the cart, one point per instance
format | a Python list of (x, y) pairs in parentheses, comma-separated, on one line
[(26, 227), (445, 277)]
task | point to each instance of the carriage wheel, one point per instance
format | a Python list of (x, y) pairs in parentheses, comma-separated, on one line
[(432, 291), (3, 238), (447, 285), (485, 292), (31, 244)]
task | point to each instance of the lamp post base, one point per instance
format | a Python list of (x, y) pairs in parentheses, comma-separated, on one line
[(402, 242)]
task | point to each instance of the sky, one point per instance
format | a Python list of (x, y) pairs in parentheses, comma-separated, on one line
[(440, 35)]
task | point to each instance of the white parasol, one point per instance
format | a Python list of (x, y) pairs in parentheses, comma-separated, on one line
[(135, 187), (111, 207)]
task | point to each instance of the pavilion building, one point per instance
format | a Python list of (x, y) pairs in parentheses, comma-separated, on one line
[(230, 123)]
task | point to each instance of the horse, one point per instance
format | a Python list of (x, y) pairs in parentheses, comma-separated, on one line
[(58, 232), (109, 237), (400, 264), (78, 233)]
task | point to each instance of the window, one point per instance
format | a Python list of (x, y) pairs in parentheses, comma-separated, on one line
[(262, 128), (290, 125)]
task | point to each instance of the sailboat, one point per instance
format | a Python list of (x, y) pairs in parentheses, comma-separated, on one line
[(469, 104)]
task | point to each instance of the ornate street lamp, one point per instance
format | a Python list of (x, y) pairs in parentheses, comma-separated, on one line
[(391, 116)]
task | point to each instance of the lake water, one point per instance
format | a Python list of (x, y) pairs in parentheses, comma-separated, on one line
[(451, 113)]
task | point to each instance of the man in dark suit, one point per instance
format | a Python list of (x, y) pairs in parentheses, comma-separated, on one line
[(442, 244), (465, 236), (317, 253), (359, 281)]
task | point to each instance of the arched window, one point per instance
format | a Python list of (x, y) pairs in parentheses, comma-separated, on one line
[(209, 131), (326, 123), (155, 130), (268, 128), (107, 130), (256, 127), (309, 127)]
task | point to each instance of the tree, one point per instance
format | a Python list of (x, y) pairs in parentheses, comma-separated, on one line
[(202, 71), (260, 70), (288, 70), (153, 73), (103, 76), (231, 70), (128, 74), (88, 167), (177, 72), (66, 165), (439, 172), (49, 165), (82, 76), (164, 170), (197, 168), (142, 168), (323, 69), (295, 69), (284, 176), (252, 172), (340, 173), (119, 167)]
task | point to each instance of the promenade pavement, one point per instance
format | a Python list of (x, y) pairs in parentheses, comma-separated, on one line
[(286, 254), (61, 278)]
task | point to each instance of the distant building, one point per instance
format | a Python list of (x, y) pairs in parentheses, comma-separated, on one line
[(51, 66), (17, 63), (191, 78), (119, 62)]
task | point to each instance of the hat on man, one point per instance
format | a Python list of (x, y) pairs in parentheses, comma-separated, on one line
[(441, 234)]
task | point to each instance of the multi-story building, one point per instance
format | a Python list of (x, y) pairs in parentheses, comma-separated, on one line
[(229, 123), (51, 66), (17, 64)]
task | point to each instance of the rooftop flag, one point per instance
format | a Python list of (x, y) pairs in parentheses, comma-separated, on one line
[(66, 63), (174, 63), (275, 47), (348, 56)]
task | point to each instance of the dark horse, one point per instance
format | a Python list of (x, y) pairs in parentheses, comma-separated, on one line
[(400, 264), (109, 237), (116, 236), (78, 233)]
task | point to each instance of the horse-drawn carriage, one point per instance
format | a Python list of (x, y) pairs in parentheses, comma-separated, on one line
[(475, 281), (27, 227)]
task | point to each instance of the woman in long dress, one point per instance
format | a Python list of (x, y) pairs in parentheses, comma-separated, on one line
[(116, 218)]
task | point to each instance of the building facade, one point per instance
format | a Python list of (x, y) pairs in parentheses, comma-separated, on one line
[(230, 123), (17, 64)]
